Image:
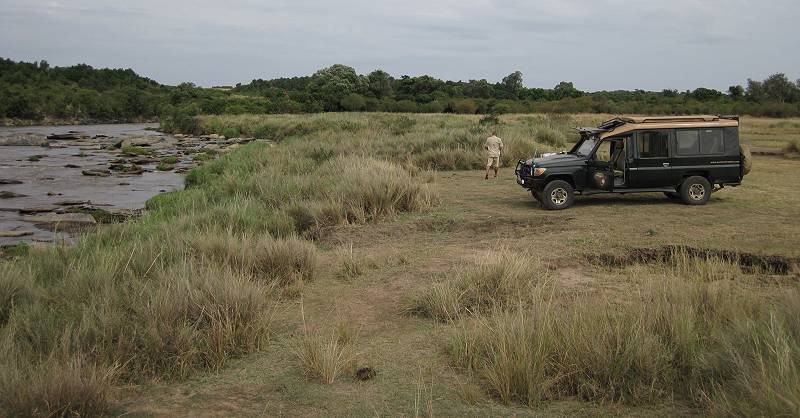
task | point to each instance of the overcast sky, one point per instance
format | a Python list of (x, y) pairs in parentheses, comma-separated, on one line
[(598, 45)]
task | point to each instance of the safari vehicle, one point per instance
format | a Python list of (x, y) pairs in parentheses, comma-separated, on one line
[(685, 157)]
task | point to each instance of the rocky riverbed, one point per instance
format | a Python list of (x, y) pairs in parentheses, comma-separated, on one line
[(56, 181)]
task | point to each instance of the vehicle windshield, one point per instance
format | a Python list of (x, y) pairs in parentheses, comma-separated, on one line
[(586, 146)]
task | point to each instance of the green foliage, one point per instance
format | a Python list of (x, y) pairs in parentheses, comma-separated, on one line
[(353, 102), (34, 91)]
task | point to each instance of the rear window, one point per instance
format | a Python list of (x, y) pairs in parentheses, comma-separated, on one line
[(711, 141), (699, 141)]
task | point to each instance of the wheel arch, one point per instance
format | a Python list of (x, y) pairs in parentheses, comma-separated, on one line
[(563, 176)]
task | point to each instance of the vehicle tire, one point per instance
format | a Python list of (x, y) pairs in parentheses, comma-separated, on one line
[(696, 190), (537, 196), (673, 195), (747, 158), (557, 195)]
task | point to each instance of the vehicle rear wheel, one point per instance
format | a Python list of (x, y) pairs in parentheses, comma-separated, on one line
[(696, 190), (537, 196), (558, 194), (673, 195)]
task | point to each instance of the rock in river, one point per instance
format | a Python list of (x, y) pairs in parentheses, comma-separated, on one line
[(71, 135), (10, 181), (67, 222), (28, 140), (38, 209), (15, 234), (9, 195), (98, 172)]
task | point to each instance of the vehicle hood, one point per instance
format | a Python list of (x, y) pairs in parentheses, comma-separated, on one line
[(555, 160)]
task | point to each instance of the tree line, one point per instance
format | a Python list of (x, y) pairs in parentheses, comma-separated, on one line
[(36, 91)]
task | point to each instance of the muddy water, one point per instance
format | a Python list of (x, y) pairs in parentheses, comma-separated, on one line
[(52, 174)]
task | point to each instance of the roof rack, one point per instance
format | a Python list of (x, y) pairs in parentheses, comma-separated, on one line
[(668, 119)]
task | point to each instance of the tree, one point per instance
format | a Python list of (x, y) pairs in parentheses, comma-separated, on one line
[(353, 102), (513, 83), (778, 88), (465, 106), (755, 90), (705, 95), (565, 89), (380, 84), (330, 85), (736, 92)]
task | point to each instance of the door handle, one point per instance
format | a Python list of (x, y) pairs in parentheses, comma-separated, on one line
[(665, 164)]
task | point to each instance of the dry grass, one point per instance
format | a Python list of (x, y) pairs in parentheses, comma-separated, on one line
[(283, 261), (497, 280), (56, 388), (703, 339), (325, 355)]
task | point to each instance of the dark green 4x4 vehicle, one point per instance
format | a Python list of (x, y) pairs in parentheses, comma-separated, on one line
[(685, 157)]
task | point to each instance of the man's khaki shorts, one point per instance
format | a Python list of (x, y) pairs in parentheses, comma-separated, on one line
[(493, 162)]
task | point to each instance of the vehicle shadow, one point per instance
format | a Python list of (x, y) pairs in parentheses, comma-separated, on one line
[(631, 200), (607, 200)]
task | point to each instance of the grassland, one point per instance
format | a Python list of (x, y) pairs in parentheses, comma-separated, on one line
[(370, 241)]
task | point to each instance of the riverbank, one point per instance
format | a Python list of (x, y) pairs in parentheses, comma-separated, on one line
[(56, 181), (6, 122)]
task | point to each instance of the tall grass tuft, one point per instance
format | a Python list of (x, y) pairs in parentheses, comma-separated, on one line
[(275, 260), (324, 355), (72, 387), (497, 280)]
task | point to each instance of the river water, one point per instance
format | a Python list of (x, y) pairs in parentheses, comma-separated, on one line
[(51, 175)]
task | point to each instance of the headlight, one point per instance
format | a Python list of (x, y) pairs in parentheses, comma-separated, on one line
[(538, 171)]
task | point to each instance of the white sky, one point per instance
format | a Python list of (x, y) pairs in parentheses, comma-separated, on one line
[(598, 45)]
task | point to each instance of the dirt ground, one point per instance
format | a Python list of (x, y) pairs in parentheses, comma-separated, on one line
[(400, 256)]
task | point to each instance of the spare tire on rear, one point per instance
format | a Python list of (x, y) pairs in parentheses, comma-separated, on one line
[(747, 158)]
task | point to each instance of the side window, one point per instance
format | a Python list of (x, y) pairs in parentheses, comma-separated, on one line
[(653, 144), (711, 141), (688, 141), (603, 152)]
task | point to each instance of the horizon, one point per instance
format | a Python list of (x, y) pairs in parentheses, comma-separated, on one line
[(479, 39), (397, 77)]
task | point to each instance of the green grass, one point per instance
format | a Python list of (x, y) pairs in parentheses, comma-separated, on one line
[(134, 150), (169, 159)]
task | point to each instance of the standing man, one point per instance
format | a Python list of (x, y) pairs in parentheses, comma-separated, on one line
[(494, 146)]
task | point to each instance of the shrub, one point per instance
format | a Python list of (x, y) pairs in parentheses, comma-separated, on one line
[(490, 119), (465, 106)]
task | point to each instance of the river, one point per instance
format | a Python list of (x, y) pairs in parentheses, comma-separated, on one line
[(51, 176)]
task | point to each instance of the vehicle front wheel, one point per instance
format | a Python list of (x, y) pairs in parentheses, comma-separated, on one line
[(695, 190), (558, 194)]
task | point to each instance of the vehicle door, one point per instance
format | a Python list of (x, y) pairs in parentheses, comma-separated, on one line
[(650, 166), (600, 174)]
